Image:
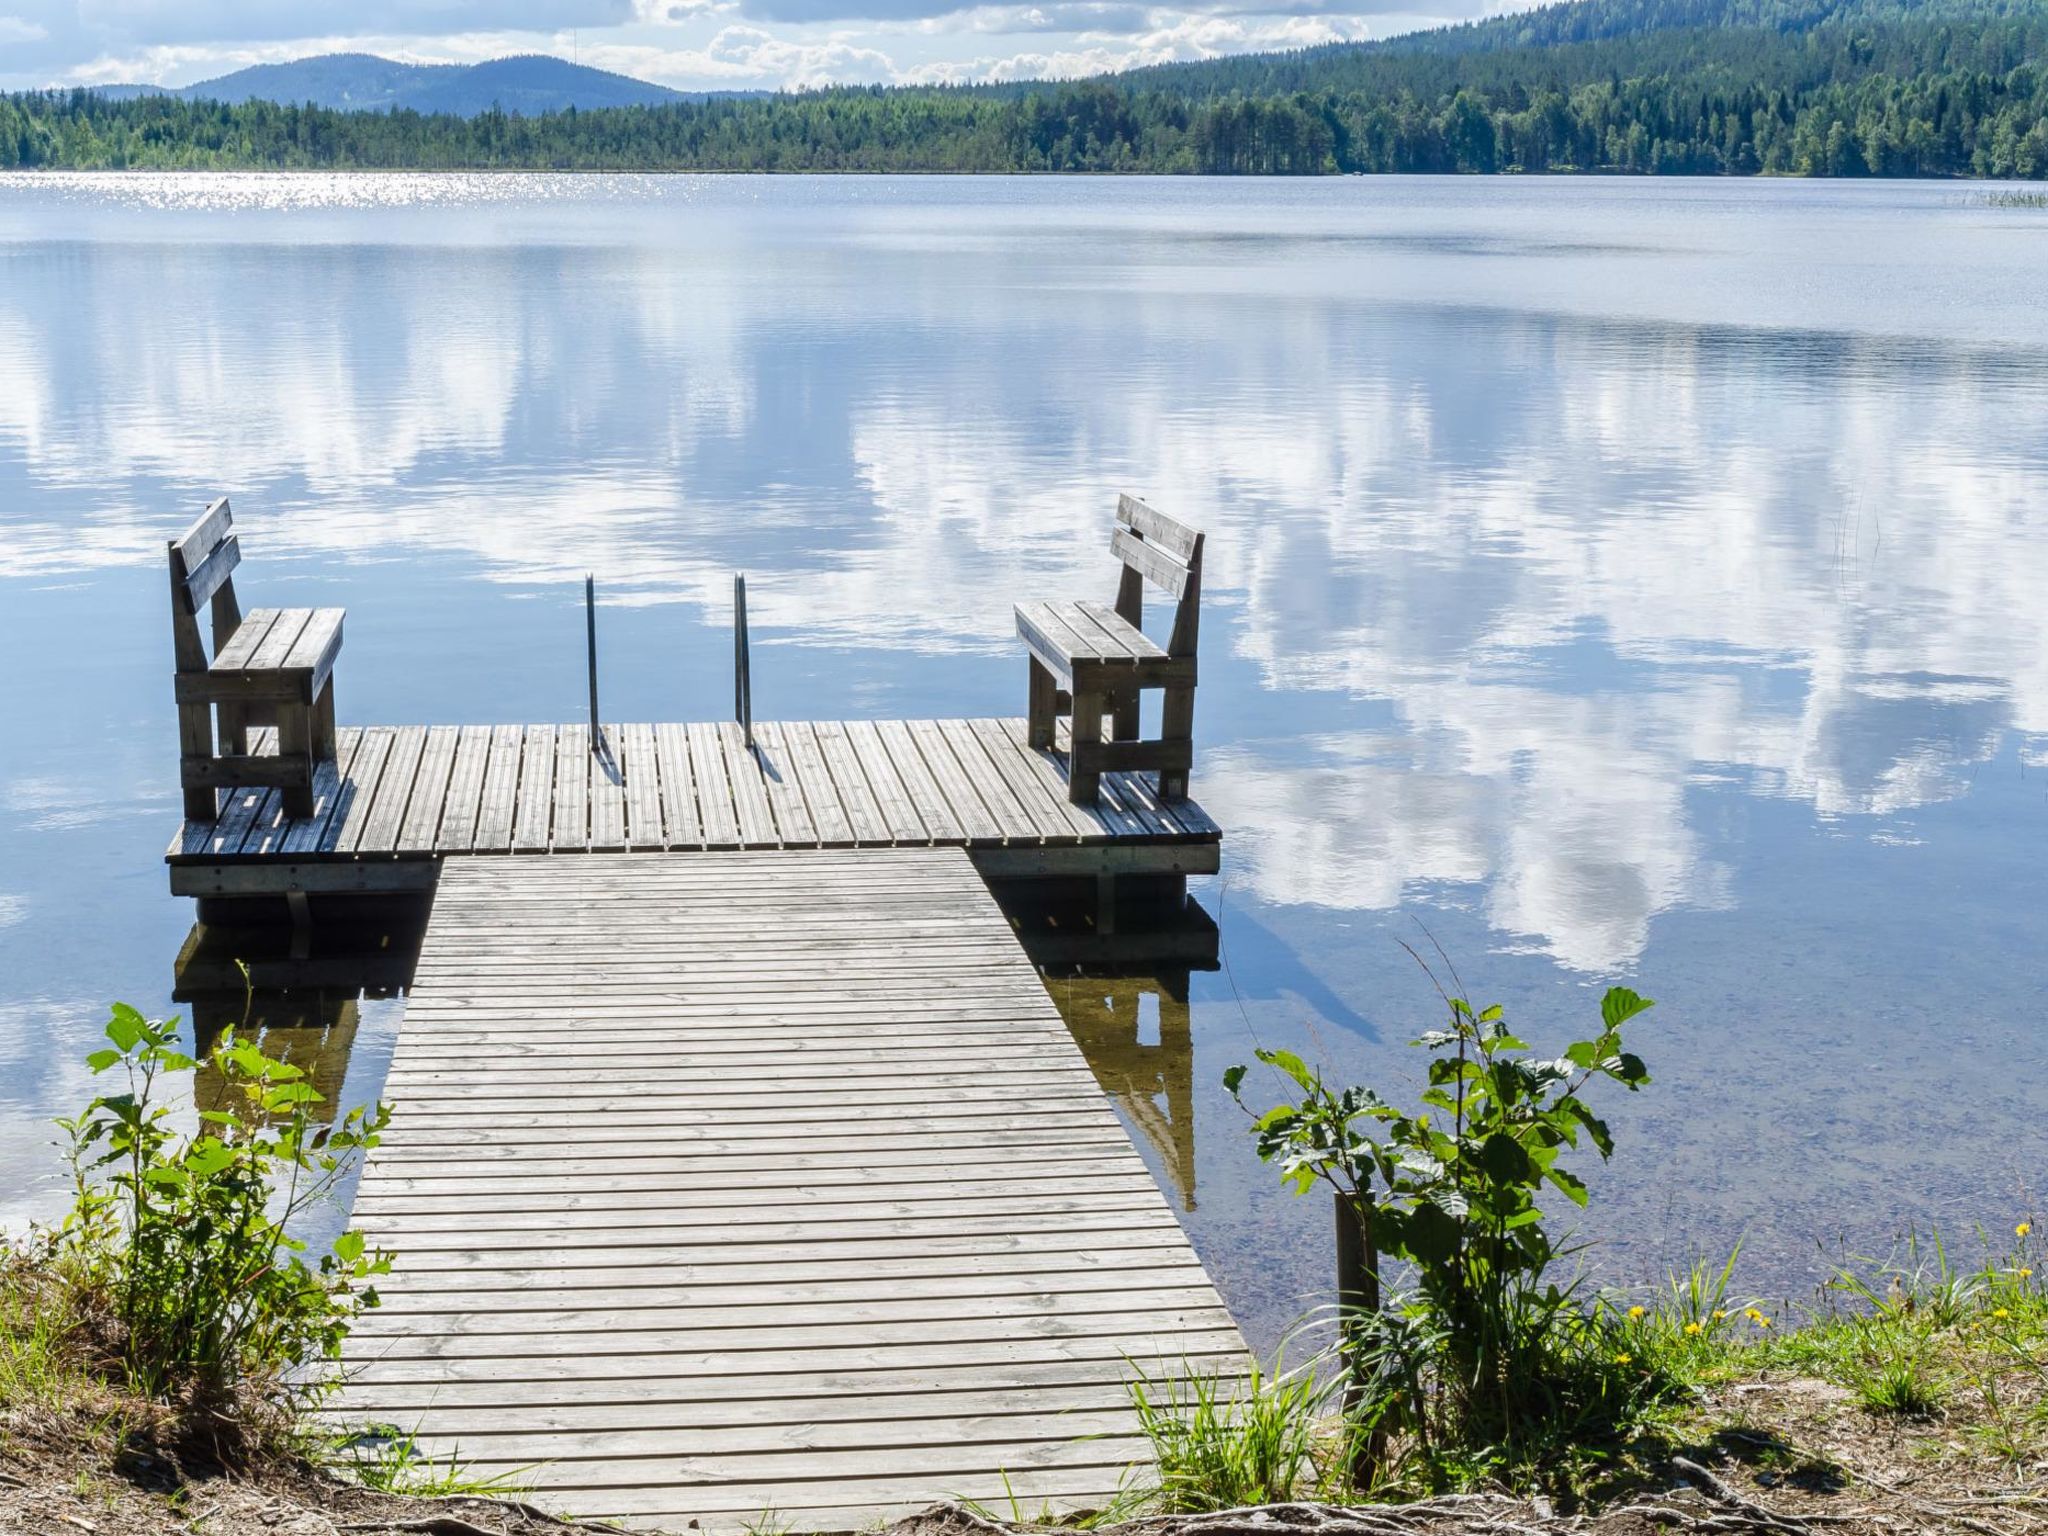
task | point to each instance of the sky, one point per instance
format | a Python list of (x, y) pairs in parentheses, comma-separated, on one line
[(690, 44)]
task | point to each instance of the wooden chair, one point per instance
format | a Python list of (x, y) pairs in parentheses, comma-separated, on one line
[(274, 666), (1088, 658)]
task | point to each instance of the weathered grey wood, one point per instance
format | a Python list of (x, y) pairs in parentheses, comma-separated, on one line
[(681, 825), (394, 791), (752, 1252), (499, 808), (486, 790), (749, 789), (418, 832), (207, 530), (850, 783), (607, 794), (534, 814), (793, 825), (807, 760), (467, 774), (212, 573), (571, 828), (643, 787), (976, 823), (1156, 527), (1151, 562), (715, 805), (900, 820)]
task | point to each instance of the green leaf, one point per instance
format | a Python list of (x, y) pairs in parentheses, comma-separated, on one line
[(349, 1247), (1293, 1066), (1630, 1069), (1504, 1159), (1620, 1005), (1573, 1186), (127, 1028), (1233, 1079), (99, 1061)]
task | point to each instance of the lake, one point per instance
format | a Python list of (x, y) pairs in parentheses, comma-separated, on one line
[(1607, 581)]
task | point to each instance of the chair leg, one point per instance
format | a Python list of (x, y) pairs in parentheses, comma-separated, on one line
[(295, 745), (195, 742), (1177, 723), (1044, 705), (1084, 781), (1123, 712), (323, 725), (234, 728)]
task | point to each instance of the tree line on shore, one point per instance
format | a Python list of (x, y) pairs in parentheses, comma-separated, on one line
[(1939, 88)]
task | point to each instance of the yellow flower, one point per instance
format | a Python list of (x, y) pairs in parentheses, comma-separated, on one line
[(2026, 1274), (1637, 1311), (1623, 1359), (1752, 1314), (2023, 1229), (2000, 1312), (1692, 1328), (1720, 1316)]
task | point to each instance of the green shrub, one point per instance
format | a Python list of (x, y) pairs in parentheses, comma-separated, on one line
[(1483, 1359), (182, 1240), (1220, 1444)]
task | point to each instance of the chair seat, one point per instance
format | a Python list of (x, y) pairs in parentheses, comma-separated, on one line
[(1093, 637), (279, 654)]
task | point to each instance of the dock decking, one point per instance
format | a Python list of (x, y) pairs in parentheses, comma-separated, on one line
[(398, 800), (758, 1181)]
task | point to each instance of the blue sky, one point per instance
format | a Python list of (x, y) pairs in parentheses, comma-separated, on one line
[(714, 44)]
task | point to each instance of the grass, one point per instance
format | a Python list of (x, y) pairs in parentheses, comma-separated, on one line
[(390, 1460), (1916, 1355)]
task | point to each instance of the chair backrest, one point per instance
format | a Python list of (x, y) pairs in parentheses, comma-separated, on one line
[(203, 562), (1154, 547)]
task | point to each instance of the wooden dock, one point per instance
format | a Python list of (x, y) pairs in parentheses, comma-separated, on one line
[(753, 1181), (396, 801)]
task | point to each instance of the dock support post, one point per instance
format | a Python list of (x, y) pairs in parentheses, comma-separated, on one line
[(590, 631), (1105, 903), (742, 672)]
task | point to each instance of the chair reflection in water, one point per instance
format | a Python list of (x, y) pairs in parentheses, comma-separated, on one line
[(1153, 1080)]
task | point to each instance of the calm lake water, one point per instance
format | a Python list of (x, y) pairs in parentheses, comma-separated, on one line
[(1607, 581)]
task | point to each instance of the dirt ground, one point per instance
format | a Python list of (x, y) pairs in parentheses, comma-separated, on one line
[(1772, 1458)]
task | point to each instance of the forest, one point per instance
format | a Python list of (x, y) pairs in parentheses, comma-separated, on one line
[(1941, 88)]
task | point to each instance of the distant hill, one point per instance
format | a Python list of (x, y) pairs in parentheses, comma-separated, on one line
[(1663, 87), (528, 84)]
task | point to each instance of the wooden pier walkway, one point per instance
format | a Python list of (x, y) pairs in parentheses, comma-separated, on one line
[(758, 1181), (395, 801)]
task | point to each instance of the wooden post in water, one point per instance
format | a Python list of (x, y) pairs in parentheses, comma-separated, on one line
[(590, 630), (742, 677), (1358, 1293)]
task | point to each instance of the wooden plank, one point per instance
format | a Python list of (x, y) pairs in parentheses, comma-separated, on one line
[(793, 825), (366, 775), (212, 573), (681, 827), (422, 825), (857, 1222), (333, 790), (1157, 527), (500, 803), (1017, 823), (394, 791), (534, 814), (1134, 640), (461, 810), (278, 641), (714, 795), (973, 818), (892, 795), (608, 794), (828, 812), (749, 786), (249, 634), (1150, 561), (643, 787), (863, 812), (207, 530), (933, 809), (570, 831)]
